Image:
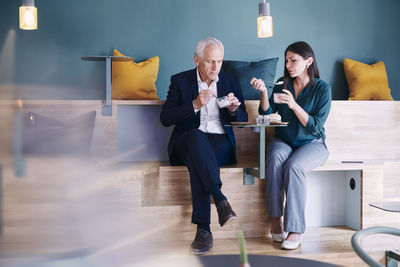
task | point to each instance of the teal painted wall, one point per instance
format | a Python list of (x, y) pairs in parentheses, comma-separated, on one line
[(46, 64)]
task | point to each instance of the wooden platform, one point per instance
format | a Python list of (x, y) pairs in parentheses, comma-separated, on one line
[(74, 208), (76, 211)]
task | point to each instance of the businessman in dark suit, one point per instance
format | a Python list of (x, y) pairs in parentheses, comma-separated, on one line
[(200, 139)]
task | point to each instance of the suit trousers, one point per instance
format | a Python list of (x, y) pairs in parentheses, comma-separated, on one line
[(202, 153), (286, 170)]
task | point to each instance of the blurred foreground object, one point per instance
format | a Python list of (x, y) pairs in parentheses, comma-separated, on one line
[(391, 256), (244, 261)]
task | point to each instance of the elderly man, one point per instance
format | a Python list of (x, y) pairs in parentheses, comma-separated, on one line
[(200, 139)]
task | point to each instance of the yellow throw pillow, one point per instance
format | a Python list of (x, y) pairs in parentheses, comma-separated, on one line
[(132, 80), (366, 82)]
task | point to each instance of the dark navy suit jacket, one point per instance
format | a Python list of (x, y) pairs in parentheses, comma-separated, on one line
[(178, 108)]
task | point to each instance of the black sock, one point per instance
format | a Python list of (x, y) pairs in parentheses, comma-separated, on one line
[(204, 226), (217, 194)]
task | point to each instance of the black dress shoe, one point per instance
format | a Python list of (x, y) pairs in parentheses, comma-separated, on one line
[(225, 212), (203, 242)]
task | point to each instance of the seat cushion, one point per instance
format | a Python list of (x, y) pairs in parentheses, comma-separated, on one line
[(366, 82), (134, 81), (48, 135), (244, 71)]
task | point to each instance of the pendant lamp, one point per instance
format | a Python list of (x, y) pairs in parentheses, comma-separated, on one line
[(28, 15), (264, 21)]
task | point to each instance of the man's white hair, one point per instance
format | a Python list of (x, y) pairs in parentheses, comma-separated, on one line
[(202, 44)]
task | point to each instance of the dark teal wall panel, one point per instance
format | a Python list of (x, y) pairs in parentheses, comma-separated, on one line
[(46, 64)]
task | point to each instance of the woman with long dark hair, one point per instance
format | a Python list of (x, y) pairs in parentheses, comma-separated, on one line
[(304, 101)]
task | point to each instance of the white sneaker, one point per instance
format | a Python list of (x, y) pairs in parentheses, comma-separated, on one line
[(291, 244), (279, 237)]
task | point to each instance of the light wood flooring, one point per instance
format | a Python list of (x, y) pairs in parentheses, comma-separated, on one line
[(327, 244), (75, 212)]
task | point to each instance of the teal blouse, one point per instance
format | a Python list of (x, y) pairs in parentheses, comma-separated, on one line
[(315, 101)]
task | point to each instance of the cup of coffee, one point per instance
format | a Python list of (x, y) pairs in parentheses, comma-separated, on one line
[(278, 98), (223, 102)]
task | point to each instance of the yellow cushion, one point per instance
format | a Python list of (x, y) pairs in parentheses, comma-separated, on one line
[(366, 82), (132, 80)]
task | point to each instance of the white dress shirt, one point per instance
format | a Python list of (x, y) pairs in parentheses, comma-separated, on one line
[(209, 116)]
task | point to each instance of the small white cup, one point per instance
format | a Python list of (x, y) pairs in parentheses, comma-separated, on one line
[(223, 102), (267, 119), (262, 120), (259, 120), (277, 98)]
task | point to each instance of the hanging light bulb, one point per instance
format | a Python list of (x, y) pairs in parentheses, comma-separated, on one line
[(264, 21), (28, 15)]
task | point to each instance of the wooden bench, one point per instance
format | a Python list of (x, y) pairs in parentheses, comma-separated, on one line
[(363, 130), (367, 131)]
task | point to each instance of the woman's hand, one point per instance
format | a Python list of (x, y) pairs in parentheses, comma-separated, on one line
[(259, 85), (287, 98)]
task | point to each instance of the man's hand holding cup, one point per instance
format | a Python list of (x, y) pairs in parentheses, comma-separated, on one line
[(234, 102)]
